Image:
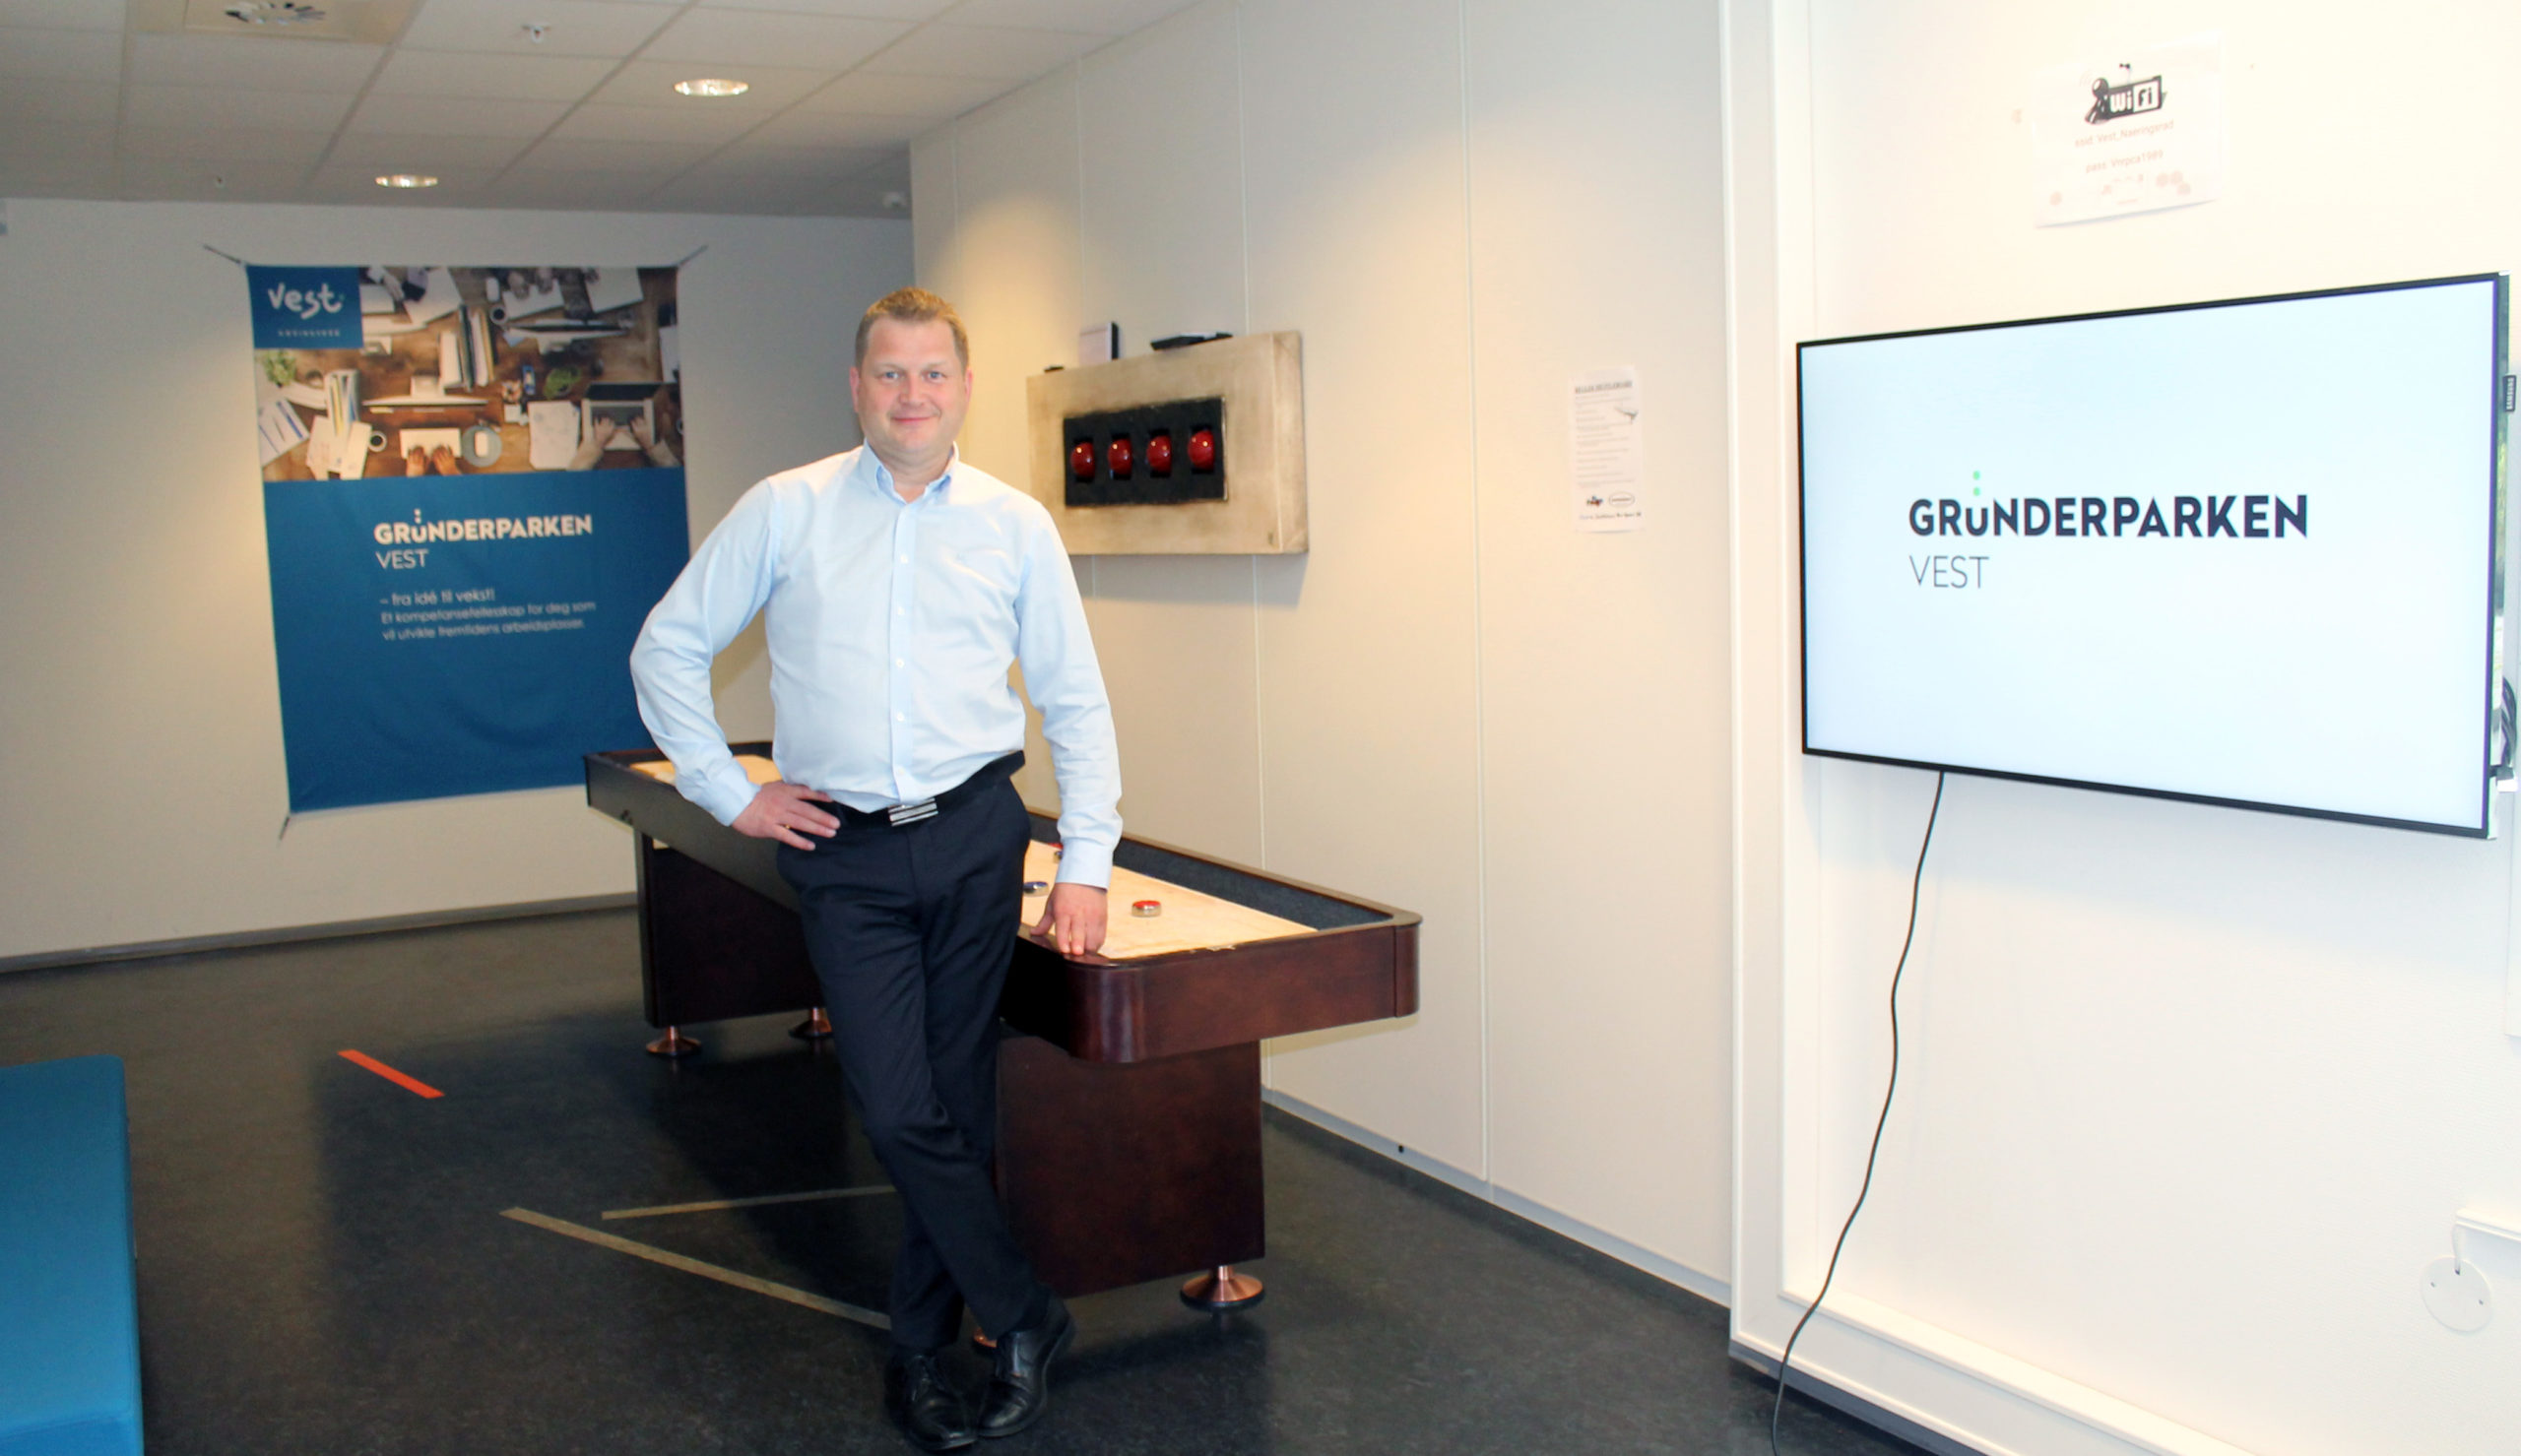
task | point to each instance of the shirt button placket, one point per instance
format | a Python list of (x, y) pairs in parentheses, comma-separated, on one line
[(905, 547)]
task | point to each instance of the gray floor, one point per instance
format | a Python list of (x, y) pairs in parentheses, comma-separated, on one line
[(324, 1266)]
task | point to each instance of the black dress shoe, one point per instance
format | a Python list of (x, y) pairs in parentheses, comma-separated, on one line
[(924, 1403), (1019, 1381)]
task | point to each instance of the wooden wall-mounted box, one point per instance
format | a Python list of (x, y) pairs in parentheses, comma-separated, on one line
[(1249, 393)]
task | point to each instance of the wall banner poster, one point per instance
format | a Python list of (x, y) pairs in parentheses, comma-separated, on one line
[(472, 492)]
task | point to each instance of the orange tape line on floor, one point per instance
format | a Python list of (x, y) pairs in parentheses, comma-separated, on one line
[(400, 1079)]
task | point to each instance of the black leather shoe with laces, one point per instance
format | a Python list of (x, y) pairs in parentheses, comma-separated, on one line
[(1019, 1383), (924, 1403)]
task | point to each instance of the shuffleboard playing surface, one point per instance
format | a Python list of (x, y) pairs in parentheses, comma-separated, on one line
[(1189, 921), (756, 768)]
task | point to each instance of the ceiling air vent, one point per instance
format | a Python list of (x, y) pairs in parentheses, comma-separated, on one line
[(376, 22), (274, 13)]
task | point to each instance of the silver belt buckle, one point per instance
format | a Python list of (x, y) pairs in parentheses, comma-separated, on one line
[(901, 814)]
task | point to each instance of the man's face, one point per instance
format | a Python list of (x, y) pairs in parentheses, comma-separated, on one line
[(910, 393)]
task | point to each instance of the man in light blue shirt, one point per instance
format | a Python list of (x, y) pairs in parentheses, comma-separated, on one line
[(899, 585)]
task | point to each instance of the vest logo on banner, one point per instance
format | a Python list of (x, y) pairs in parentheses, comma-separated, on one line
[(305, 307)]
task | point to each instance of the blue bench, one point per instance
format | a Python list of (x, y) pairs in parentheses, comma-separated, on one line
[(69, 1323)]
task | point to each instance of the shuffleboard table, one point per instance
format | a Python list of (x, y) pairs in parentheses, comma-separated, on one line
[(1128, 1142)]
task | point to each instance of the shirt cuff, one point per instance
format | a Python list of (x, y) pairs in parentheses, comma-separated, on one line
[(724, 789), (1086, 864)]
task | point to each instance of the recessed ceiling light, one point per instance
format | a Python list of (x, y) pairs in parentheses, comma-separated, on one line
[(406, 179), (713, 86)]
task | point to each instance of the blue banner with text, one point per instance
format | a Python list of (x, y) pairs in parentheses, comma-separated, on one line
[(469, 510), (444, 636)]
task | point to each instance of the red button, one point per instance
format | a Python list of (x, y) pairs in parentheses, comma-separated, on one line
[(1081, 460), (1159, 454), (1203, 450), (1118, 457)]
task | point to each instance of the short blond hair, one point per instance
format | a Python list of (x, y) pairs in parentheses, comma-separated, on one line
[(915, 305)]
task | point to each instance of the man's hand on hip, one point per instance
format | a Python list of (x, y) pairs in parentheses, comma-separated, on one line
[(1074, 921), (785, 812)]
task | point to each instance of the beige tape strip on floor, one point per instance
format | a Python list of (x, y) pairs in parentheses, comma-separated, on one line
[(671, 1260), (716, 1204)]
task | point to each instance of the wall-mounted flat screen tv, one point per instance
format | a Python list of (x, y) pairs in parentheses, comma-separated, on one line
[(2242, 553)]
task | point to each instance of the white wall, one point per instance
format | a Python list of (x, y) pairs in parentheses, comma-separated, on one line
[(2189, 1095), (1453, 702), (140, 717)]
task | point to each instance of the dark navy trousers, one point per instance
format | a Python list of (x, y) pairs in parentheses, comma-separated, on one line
[(911, 929)]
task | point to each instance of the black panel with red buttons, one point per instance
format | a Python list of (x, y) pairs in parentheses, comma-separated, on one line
[(1153, 455)]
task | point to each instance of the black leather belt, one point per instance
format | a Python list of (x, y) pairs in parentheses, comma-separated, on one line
[(900, 816)]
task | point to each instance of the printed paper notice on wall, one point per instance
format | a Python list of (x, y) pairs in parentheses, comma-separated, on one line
[(1608, 449), (2129, 133)]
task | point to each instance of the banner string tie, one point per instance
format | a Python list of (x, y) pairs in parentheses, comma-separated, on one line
[(241, 263)]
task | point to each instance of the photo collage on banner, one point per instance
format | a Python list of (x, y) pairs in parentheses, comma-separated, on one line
[(473, 490)]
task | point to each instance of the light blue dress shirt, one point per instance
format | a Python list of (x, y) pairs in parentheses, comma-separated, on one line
[(892, 626)]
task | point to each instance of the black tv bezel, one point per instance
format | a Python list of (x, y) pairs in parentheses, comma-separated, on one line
[(2499, 370)]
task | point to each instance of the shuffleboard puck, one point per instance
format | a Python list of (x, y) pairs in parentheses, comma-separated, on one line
[(1146, 907)]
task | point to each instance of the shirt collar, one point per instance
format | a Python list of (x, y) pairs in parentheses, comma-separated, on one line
[(881, 476)]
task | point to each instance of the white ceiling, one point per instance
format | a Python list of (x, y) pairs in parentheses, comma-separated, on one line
[(115, 99)]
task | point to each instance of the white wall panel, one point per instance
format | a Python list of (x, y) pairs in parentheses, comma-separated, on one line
[(1603, 655), (1160, 115), (1353, 165), (1175, 639), (933, 215), (1290, 164), (142, 718), (1016, 220), (2188, 1094), (1162, 182)]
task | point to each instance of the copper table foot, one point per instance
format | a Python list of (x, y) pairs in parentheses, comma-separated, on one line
[(817, 1027), (673, 1043), (1221, 1289)]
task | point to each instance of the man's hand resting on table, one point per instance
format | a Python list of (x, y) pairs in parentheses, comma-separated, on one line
[(1073, 923), (787, 812)]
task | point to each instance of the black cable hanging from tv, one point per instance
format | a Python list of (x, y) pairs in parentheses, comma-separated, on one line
[(1916, 881)]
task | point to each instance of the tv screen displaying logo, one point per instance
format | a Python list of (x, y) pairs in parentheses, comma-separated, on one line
[(2242, 553)]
